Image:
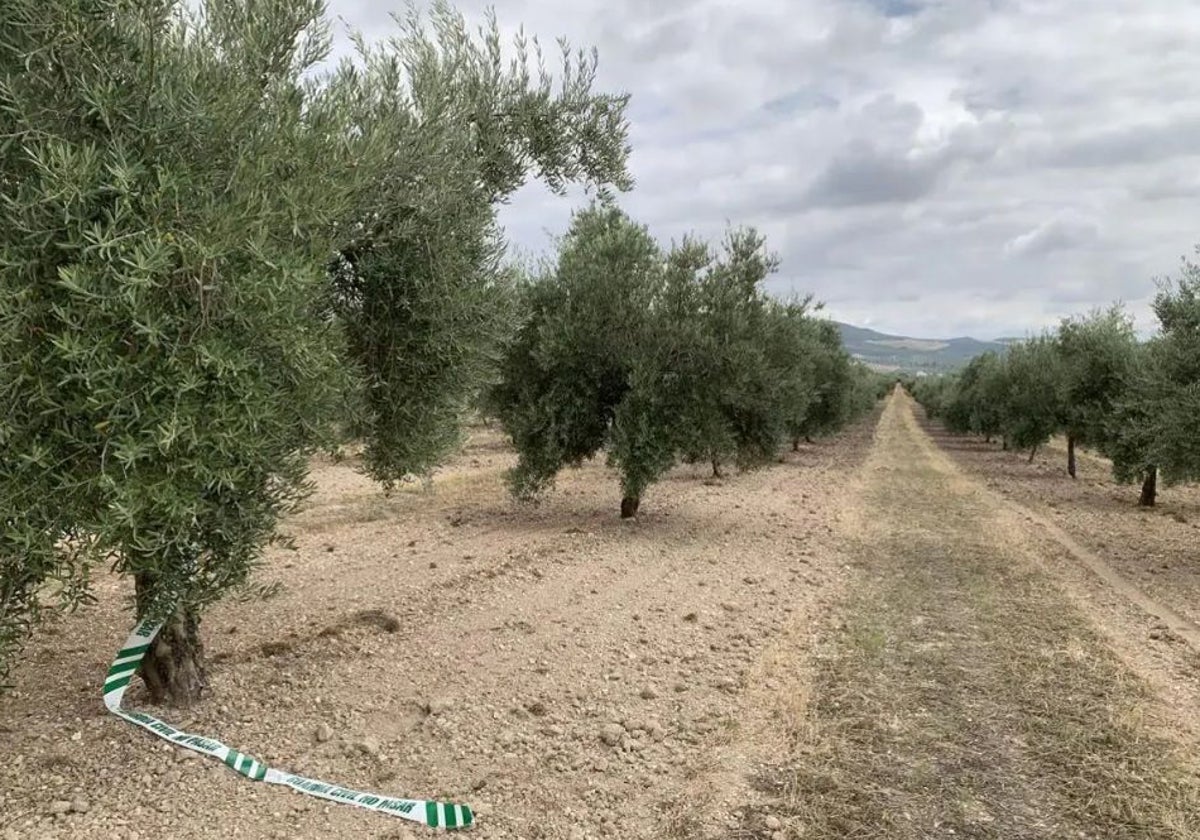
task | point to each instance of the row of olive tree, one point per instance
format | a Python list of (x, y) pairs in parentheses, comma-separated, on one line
[(656, 356), (1091, 380), (209, 247)]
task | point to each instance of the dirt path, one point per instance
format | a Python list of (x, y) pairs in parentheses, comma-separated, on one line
[(962, 693), (567, 674)]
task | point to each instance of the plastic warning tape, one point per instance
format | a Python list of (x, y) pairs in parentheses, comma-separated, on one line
[(129, 658)]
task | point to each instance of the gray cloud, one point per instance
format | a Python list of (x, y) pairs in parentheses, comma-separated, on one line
[(936, 167), (1058, 234), (865, 175)]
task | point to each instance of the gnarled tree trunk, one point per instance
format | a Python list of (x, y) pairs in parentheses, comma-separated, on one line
[(796, 444), (716, 465), (173, 668), (629, 506), (1149, 488), (1032, 452), (1071, 455)]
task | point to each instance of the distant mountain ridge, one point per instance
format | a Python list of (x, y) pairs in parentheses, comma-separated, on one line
[(905, 353)]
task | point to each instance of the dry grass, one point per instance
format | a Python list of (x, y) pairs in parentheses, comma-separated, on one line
[(960, 696)]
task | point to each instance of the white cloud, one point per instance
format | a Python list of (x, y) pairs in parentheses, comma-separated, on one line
[(936, 167), (1062, 233)]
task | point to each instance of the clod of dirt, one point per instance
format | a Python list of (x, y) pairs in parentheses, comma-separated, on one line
[(612, 733), (691, 618), (648, 693), (367, 745), (324, 733)]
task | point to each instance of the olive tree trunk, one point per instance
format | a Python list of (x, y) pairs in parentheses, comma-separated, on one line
[(173, 667), (1071, 455), (1032, 453), (1149, 488), (716, 465), (629, 506), (795, 444)]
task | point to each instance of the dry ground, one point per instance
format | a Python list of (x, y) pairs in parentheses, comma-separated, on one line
[(968, 689), (863, 641), (523, 637)]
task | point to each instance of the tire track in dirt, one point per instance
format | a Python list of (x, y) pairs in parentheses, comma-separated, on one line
[(960, 693), (1178, 624)]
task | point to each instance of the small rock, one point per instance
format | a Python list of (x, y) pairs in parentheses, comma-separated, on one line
[(612, 733), (80, 806), (59, 806), (368, 745), (576, 833), (772, 823), (77, 736), (324, 732), (648, 693)]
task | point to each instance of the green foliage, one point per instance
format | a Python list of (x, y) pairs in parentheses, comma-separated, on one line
[(169, 193), (1097, 357), (979, 397), (419, 288), (210, 254), (651, 357), (1129, 433), (729, 412), (836, 379), (1168, 400), (1034, 405), (586, 332)]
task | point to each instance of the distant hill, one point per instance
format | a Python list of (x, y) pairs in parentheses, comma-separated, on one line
[(898, 352)]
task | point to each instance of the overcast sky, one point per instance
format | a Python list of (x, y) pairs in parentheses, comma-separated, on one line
[(926, 167)]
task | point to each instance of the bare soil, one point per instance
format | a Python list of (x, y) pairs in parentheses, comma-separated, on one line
[(864, 640), (567, 674)]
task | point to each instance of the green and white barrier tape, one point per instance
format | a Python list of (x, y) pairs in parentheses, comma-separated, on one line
[(433, 814)]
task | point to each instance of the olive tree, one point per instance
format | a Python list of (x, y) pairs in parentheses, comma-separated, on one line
[(583, 344), (1129, 433), (194, 220), (730, 412), (1097, 353), (1156, 428), (834, 378), (420, 289), (795, 350), (170, 186), (1033, 411)]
